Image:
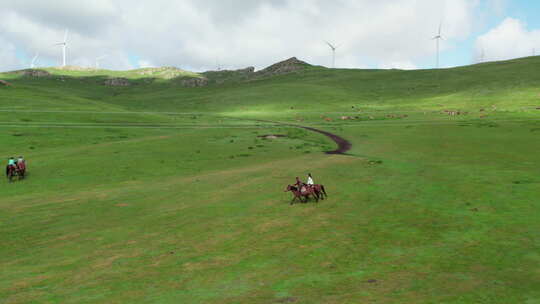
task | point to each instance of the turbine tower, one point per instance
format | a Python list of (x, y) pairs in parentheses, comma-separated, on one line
[(482, 55), (33, 64), (64, 46), (438, 38), (98, 59), (333, 47)]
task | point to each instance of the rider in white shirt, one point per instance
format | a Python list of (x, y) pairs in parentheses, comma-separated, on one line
[(310, 180)]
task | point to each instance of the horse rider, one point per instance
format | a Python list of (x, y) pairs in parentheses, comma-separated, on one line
[(11, 165), (21, 163), (300, 185), (310, 182)]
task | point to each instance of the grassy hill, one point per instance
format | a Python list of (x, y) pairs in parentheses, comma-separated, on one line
[(158, 193)]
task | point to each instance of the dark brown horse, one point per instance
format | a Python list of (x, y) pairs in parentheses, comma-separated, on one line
[(320, 191), (12, 171), (303, 196), (21, 167)]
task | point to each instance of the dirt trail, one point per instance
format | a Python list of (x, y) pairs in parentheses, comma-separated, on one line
[(343, 144)]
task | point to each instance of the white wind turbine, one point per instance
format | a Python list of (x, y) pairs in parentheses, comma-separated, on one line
[(333, 47), (438, 38), (64, 46), (33, 64), (98, 59), (482, 55)]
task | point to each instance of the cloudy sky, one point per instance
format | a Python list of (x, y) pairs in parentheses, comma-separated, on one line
[(203, 34)]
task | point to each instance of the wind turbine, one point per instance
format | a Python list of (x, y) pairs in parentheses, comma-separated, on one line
[(64, 46), (33, 64), (438, 38), (333, 47), (218, 66), (482, 55), (98, 59)]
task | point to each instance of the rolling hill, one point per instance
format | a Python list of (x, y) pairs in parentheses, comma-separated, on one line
[(167, 191)]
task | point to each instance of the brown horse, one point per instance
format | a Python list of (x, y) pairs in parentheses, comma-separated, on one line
[(12, 171), (302, 196), (320, 191), (21, 167)]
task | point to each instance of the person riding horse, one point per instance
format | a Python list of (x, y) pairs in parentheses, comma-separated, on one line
[(21, 167), (21, 163), (310, 182), (11, 166), (300, 185)]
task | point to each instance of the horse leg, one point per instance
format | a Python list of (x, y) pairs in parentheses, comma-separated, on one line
[(294, 198)]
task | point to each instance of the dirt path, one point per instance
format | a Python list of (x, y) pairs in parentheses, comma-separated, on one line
[(343, 144)]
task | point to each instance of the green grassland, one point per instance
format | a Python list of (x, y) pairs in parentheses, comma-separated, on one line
[(155, 193)]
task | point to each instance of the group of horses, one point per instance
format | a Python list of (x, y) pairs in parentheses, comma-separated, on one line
[(304, 192), (18, 171)]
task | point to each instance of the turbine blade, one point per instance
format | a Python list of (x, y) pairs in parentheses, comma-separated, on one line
[(66, 35), (440, 28), (331, 46)]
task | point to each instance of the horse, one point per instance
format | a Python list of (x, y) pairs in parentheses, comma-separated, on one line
[(12, 171), (298, 194), (320, 191), (21, 167)]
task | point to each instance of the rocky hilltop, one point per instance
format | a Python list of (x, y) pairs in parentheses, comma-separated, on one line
[(192, 80), (290, 65), (284, 67), (34, 73), (172, 74)]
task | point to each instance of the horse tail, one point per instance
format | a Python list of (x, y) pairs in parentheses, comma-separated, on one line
[(323, 190)]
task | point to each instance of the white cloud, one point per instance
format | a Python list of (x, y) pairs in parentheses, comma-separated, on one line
[(8, 57), (193, 34), (508, 40)]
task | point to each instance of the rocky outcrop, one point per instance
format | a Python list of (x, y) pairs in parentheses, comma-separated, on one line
[(194, 82), (117, 82), (34, 73), (247, 70), (290, 65), (284, 67)]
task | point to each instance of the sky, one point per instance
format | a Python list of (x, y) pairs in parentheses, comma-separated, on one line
[(201, 35)]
